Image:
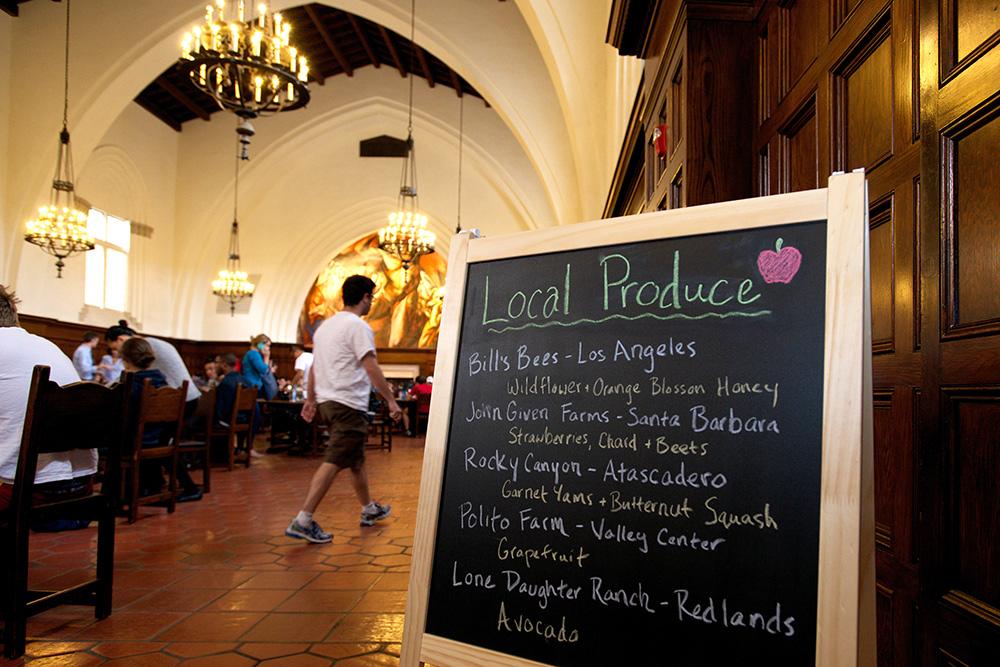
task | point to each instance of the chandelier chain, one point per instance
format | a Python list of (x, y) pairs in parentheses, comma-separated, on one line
[(236, 184), (66, 74), (413, 48), (461, 134)]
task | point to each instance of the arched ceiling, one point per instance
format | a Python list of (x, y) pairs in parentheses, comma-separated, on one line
[(336, 42)]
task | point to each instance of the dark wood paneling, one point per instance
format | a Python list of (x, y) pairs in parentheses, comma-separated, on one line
[(863, 100), (968, 30), (971, 200), (972, 419), (884, 614), (882, 242), (917, 279), (803, 36), (906, 89), (765, 74), (975, 22), (884, 429), (719, 83), (841, 10), (799, 158), (67, 336)]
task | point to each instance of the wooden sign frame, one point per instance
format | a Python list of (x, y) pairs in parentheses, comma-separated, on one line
[(845, 632)]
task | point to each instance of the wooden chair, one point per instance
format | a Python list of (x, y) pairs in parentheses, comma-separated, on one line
[(162, 409), (380, 428), (241, 425), (422, 412), (83, 415), (198, 444)]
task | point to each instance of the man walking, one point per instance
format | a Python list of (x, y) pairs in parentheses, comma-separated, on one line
[(340, 381)]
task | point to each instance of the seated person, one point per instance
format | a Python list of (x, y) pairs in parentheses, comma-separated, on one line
[(421, 391), (168, 361), (138, 357), (225, 391), (208, 379), (59, 475), (111, 367)]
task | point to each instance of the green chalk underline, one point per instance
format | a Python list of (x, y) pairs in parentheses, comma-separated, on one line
[(619, 316)]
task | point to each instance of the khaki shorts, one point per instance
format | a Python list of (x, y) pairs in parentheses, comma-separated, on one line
[(348, 427)]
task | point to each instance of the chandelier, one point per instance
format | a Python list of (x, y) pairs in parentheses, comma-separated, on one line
[(406, 236), (61, 227), (232, 285), (248, 65)]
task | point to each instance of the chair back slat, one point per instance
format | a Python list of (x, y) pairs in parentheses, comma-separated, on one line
[(82, 415), (162, 405)]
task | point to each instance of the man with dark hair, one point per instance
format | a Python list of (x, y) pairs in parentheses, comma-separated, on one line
[(83, 357), (225, 390), (340, 381), (62, 474)]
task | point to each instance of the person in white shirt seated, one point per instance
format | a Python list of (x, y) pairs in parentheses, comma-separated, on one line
[(59, 475), (303, 360)]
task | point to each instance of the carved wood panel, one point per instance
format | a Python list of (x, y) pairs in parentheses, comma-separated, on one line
[(968, 29), (882, 253), (803, 36), (799, 156), (971, 200), (971, 419), (864, 109)]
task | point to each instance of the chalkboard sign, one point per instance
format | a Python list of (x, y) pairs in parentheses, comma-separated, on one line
[(632, 467)]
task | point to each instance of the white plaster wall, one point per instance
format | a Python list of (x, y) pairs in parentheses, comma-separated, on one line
[(133, 173), (6, 27)]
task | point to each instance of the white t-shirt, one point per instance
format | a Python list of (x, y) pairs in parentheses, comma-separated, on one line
[(339, 344), (168, 361), (303, 363), (20, 352)]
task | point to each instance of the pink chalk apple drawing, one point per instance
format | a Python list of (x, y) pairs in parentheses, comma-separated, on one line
[(779, 265)]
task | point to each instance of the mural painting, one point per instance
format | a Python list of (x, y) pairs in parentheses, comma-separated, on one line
[(406, 312)]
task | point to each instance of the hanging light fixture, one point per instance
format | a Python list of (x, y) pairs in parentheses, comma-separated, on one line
[(61, 227), (406, 236), (232, 285), (247, 64), (461, 133)]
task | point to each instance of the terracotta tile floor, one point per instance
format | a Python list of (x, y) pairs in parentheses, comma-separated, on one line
[(218, 583)]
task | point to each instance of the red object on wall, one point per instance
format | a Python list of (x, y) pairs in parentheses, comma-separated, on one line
[(660, 139)]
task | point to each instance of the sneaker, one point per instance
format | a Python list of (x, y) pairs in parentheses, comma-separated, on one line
[(377, 513), (312, 533)]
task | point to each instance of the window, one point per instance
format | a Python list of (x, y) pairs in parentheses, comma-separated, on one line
[(106, 280)]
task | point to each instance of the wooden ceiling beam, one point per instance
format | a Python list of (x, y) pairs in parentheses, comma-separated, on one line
[(156, 111), (321, 29), (422, 57), (179, 95), (455, 82), (392, 50), (9, 6), (362, 38)]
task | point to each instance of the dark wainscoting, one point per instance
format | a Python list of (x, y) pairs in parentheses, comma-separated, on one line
[(68, 335)]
